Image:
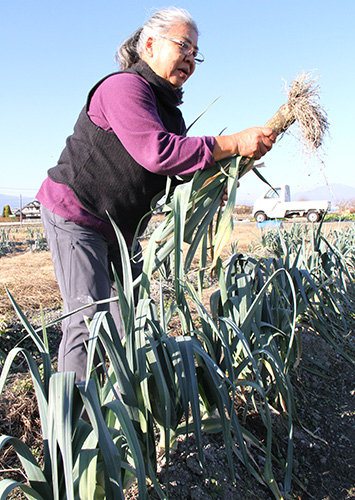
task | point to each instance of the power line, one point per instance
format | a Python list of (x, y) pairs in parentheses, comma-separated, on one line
[(19, 189)]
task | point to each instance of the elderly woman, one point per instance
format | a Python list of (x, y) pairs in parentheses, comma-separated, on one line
[(127, 140)]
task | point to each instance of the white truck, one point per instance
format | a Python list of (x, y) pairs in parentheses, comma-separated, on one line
[(276, 204)]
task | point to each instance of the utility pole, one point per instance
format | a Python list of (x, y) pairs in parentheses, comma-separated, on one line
[(21, 209)]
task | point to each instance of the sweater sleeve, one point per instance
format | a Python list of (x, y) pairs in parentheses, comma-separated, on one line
[(124, 104)]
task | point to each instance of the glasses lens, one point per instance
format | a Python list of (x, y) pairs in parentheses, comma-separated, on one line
[(199, 58), (188, 51)]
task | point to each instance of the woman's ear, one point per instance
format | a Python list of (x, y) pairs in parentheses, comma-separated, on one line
[(148, 46)]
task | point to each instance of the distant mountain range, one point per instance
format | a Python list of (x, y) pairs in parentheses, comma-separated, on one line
[(336, 193), (13, 201)]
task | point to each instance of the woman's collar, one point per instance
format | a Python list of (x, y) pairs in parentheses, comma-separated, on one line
[(174, 96)]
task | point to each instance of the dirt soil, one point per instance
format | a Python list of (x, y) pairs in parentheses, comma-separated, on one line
[(324, 436)]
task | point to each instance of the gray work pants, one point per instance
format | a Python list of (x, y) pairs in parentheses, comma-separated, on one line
[(82, 261)]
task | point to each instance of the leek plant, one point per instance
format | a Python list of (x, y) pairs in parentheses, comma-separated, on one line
[(323, 275), (81, 459)]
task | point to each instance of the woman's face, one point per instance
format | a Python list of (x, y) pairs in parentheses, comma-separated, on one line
[(167, 59)]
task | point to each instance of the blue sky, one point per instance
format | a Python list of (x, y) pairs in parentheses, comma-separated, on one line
[(53, 52)]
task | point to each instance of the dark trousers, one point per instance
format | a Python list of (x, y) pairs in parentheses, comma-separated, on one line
[(82, 260)]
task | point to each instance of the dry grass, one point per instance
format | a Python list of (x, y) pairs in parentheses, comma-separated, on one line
[(30, 279)]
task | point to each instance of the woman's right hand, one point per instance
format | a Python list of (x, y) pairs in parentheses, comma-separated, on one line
[(253, 142)]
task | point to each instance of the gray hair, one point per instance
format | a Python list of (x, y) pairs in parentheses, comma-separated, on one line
[(162, 21)]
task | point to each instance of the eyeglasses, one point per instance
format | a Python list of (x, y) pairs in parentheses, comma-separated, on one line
[(186, 48)]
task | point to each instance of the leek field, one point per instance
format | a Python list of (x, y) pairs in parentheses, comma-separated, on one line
[(235, 378)]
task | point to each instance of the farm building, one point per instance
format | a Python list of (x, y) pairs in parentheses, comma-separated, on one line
[(30, 211)]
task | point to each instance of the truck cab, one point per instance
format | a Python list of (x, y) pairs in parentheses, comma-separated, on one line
[(271, 202)]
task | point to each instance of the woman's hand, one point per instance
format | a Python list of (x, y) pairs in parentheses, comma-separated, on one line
[(225, 196), (253, 143)]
